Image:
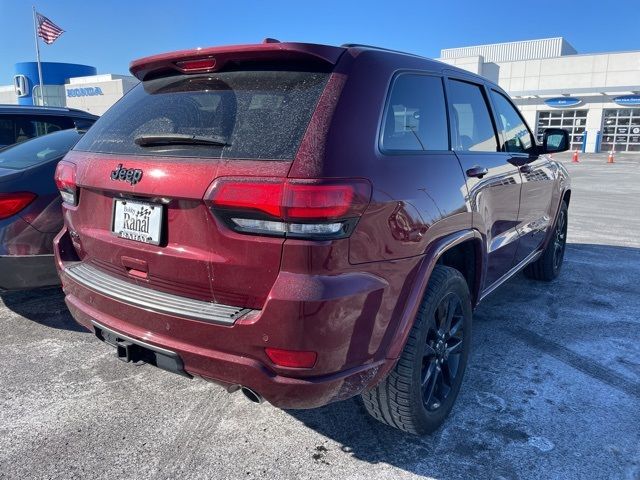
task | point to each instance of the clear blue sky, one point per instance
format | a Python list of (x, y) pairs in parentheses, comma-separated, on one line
[(110, 33)]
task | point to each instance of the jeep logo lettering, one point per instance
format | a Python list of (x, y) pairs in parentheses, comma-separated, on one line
[(131, 175)]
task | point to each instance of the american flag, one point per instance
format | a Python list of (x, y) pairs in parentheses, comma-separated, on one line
[(47, 30)]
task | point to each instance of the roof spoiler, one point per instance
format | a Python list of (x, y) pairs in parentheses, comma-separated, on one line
[(205, 60)]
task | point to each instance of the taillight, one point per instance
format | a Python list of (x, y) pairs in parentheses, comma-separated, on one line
[(12, 203), (313, 209), (291, 358), (66, 182)]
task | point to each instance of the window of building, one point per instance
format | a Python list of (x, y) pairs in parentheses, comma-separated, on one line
[(472, 127), (573, 121), (516, 135), (620, 130), (416, 117), (54, 95)]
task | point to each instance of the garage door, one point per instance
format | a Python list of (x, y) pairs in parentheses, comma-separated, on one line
[(574, 121), (621, 129)]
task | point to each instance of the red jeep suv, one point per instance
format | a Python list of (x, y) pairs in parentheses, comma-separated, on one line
[(307, 223)]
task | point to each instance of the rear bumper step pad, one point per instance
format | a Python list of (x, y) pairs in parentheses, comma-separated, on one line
[(139, 296)]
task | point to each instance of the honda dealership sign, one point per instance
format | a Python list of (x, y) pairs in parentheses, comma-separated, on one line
[(21, 85), (84, 92)]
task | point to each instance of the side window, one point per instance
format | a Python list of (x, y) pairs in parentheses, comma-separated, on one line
[(44, 125), (416, 117), (24, 129), (83, 123), (7, 131), (472, 127), (31, 127), (517, 137)]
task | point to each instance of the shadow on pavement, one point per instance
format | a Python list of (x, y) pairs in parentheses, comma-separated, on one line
[(44, 306), (533, 344)]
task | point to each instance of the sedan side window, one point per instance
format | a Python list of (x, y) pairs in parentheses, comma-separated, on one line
[(45, 125), (517, 137), (27, 127), (7, 131), (472, 126), (416, 117)]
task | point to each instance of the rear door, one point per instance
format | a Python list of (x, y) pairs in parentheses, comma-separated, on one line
[(145, 167), (536, 171), (493, 183)]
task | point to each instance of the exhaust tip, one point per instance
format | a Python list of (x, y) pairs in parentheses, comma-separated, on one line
[(251, 395)]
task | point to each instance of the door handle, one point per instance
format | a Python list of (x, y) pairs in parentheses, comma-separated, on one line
[(477, 171)]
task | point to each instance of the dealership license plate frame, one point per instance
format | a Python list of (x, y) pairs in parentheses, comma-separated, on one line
[(158, 212)]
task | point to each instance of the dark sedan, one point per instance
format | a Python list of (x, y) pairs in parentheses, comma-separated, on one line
[(30, 213)]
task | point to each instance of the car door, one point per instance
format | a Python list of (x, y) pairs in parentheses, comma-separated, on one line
[(536, 171), (493, 183)]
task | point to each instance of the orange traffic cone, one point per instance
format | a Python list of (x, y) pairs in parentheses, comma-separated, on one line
[(575, 157), (610, 159)]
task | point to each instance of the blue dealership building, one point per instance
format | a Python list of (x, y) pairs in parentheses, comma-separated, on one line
[(65, 85), (54, 77)]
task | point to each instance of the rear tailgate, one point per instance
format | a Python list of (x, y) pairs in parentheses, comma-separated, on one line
[(197, 256), (247, 122)]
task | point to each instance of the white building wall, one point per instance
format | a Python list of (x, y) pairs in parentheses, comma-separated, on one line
[(8, 95), (477, 65), (564, 75), (523, 50), (113, 87), (533, 71)]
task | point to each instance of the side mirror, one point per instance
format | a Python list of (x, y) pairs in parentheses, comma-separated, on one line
[(555, 140)]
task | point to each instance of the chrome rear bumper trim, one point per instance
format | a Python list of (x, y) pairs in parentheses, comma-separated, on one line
[(144, 297)]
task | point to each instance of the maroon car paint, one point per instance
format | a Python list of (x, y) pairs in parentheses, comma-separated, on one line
[(352, 300)]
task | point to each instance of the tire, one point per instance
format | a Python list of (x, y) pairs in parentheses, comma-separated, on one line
[(420, 391), (548, 266)]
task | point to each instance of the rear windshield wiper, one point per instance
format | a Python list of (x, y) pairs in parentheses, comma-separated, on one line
[(158, 139)]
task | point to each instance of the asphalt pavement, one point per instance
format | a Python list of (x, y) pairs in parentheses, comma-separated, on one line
[(552, 390)]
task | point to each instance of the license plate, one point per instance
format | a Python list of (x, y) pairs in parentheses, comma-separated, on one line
[(137, 221)]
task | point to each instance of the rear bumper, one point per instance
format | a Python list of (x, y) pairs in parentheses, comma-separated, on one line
[(18, 272), (341, 317), (232, 370)]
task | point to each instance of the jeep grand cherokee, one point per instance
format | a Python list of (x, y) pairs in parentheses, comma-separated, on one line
[(307, 223)]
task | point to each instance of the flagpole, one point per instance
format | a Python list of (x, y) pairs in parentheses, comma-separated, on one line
[(35, 36)]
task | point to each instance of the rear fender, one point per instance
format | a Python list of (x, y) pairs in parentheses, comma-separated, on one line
[(434, 252)]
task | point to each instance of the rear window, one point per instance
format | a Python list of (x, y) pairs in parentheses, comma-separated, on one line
[(38, 150), (241, 114)]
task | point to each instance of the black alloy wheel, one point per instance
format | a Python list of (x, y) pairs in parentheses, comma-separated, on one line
[(442, 354)]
